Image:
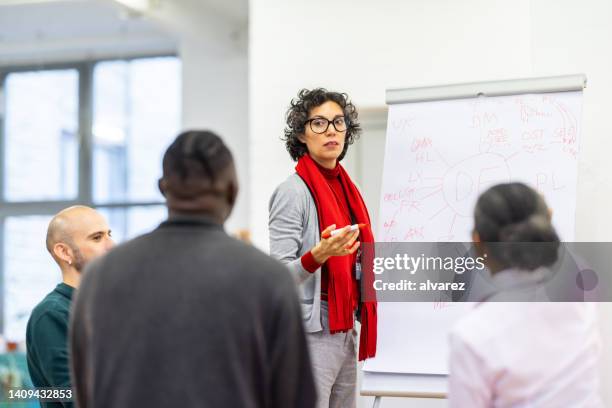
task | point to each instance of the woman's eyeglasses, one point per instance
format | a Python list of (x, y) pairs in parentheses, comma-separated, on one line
[(320, 125)]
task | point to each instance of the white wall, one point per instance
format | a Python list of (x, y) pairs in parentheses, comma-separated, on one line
[(363, 47), (213, 52), (215, 96)]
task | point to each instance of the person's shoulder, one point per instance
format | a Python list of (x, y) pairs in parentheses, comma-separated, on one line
[(254, 256), (261, 266), (108, 267), (291, 186), (483, 324), (291, 192), (50, 303), (48, 309), (125, 250)]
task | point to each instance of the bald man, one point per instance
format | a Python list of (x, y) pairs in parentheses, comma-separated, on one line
[(75, 236)]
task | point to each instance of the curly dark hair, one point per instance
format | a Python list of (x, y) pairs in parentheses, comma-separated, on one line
[(298, 112)]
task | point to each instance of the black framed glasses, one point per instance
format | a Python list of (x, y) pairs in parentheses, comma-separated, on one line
[(320, 125)]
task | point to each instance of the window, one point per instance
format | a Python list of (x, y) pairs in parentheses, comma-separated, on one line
[(91, 134), (131, 127), (30, 273), (40, 135)]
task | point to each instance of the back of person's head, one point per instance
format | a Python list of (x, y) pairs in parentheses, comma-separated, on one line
[(516, 214), (199, 175)]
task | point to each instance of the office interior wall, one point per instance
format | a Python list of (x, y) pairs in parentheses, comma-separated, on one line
[(215, 97), (363, 48), (213, 51)]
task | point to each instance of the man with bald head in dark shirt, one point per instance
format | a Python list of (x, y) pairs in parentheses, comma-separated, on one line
[(186, 316), (75, 236)]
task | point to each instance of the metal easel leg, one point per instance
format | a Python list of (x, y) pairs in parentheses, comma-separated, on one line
[(376, 402)]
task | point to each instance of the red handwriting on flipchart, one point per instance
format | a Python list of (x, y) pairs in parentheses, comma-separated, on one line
[(536, 134), (499, 136), (389, 224), (409, 205), (534, 148), (533, 141), (420, 144), (484, 120), (414, 233), (528, 112), (441, 305), (422, 157), (494, 138), (566, 135), (401, 194), (544, 182), (401, 125)]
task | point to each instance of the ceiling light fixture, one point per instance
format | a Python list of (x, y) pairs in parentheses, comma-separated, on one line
[(139, 6)]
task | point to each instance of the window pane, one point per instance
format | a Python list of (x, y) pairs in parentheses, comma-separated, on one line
[(127, 223), (136, 116), (29, 271), (41, 135)]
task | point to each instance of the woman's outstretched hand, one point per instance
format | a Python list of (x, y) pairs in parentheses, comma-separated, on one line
[(341, 244)]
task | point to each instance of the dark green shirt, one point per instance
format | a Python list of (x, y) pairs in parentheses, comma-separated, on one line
[(47, 342)]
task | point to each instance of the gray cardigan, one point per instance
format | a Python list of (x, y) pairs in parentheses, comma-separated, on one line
[(294, 230)]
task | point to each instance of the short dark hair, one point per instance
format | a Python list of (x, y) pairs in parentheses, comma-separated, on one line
[(515, 213), (196, 154), (298, 112)]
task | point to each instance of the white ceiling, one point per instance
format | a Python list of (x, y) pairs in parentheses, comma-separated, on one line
[(92, 27), (67, 19), (36, 20)]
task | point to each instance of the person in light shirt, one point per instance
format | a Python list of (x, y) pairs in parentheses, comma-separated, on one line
[(522, 354)]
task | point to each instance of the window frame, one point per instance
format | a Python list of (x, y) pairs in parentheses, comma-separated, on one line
[(85, 72)]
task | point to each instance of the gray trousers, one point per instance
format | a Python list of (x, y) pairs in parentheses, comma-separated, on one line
[(334, 363)]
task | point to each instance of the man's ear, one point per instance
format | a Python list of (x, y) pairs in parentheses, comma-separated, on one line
[(302, 138), (161, 185), (475, 237), (229, 196), (232, 192), (63, 252)]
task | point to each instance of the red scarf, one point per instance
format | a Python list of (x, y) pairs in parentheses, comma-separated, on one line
[(343, 295)]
